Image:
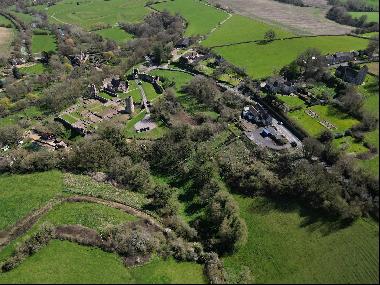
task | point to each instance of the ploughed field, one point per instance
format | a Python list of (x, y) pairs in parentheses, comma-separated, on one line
[(302, 20)]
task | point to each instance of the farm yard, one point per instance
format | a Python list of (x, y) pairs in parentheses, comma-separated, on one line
[(262, 60), (201, 18), (91, 14)]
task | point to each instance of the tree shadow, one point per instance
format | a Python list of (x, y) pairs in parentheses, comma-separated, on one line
[(312, 220)]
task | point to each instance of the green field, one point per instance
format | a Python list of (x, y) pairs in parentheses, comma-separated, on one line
[(348, 145), (5, 22), (31, 113), (35, 69), (90, 14), (90, 215), (21, 194), (116, 34), (66, 262), (307, 123), (370, 91), (341, 120), (371, 16), (291, 101), (261, 60), (201, 19), (42, 43), (287, 245), (240, 29), (26, 18)]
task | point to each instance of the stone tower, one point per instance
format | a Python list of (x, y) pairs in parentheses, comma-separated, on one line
[(130, 107)]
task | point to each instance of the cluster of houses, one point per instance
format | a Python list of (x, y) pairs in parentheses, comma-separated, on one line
[(258, 115)]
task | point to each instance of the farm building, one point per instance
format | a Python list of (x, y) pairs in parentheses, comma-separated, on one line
[(257, 114), (352, 75), (278, 86)]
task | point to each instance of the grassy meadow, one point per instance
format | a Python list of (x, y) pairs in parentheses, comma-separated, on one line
[(90, 14), (42, 43), (240, 29), (116, 34), (35, 69), (21, 194), (288, 244), (73, 263), (262, 60), (201, 18), (371, 16)]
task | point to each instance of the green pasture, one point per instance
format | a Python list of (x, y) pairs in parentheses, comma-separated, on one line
[(307, 123), (291, 101), (30, 114), (91, 14), (349, 145), (201, 18), (42, 43), (339, 119), (35, 69), (70, 263), (370, 91), (26, 18), (21, 194), (91, 215), (5, 22), (240, 29), (371, 16), (262, 60), (116, 34), (289, 244)]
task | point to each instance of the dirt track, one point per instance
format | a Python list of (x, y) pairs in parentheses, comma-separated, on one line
[(5, 39), (301, 20)]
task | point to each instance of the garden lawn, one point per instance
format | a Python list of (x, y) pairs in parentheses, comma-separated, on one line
[(35, 69), (31, 113), (5, 22), (373, 67), (370, 91), (287, 245), (66, 262), (341, 120), (348, 145), (91, 14), (116, 34), (371, 16), (240, 29), (262, 60), (42, 43), (21, 194), (307, 123), (291, 101), (200, 17)]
